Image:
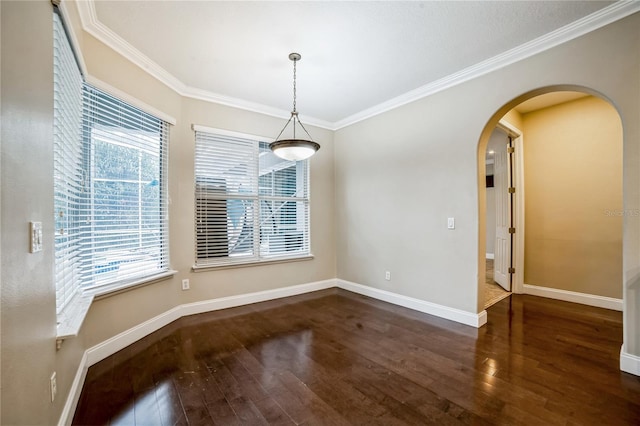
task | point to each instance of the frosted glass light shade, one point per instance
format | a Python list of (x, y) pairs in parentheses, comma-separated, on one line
[(294, 149)]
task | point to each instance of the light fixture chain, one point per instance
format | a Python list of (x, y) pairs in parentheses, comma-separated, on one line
[(294, 85)]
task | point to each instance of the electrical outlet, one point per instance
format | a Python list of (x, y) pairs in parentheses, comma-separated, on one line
[(53, 386), (387, 275), (185, 284)]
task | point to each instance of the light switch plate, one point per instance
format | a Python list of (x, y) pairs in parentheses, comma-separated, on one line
[(451, 223), (35, 237)]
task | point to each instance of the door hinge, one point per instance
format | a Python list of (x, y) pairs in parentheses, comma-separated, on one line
[(510, 150), (512, 230), (512, 190), (512, 270)]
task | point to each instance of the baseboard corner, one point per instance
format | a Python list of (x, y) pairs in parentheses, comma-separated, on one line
[(629, 363)]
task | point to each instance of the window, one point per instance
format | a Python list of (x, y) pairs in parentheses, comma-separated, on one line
[(126, 236), (250, 205), (110, 161)]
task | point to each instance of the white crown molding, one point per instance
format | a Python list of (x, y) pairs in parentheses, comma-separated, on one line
[(93, 26), (592, 22), (64, 9), (589, 23), (204, 95)]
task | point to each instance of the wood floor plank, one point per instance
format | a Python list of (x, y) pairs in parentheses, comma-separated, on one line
[(334, 357)]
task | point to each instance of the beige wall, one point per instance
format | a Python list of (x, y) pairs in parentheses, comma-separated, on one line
[(514, 118), (573, 207), (28, 298), (389, 207), (28, 329), (394, 201), (105, 318)]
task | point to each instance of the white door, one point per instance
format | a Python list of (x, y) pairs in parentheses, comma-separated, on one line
[(502, 182)]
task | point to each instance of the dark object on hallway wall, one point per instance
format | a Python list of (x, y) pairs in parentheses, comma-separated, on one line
[(489, 181)]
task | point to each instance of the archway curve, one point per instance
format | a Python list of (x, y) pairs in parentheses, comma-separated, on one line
[(495, 118), (490, 125)]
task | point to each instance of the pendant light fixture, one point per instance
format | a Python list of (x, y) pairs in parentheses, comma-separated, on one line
[(294, 149)]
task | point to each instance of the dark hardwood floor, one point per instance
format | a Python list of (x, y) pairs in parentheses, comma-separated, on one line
[(336, 358)]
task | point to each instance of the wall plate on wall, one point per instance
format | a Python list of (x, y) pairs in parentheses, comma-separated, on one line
[(35, 237)]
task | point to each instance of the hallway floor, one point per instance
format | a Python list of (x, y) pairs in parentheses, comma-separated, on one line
[(493, 293)]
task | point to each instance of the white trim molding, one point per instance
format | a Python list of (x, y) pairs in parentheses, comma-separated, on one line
[(261, 296), (120, 341), (71, 403), (91, 24), (629, 363), (572, 296), (589, 23), (457, 315), (592, 22)]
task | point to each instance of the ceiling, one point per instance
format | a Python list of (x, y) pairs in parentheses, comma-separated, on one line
[(547, 100), (358, 58)]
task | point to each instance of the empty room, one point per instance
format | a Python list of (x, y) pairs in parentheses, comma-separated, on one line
[(386, 212)]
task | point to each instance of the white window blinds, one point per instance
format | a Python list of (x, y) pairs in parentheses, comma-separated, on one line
[(110, 174), (126, 237), (68, 165), (250, 205)]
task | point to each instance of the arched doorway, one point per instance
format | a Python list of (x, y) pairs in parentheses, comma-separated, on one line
[(574, 232)]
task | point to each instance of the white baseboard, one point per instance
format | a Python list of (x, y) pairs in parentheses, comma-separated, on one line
[(247, 299), (572, 296), (464, 317), (71, 403), (629, 363), (490, 256), (120, 341)]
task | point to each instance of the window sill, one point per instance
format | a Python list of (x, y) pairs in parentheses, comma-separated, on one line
[(108, 291), (71, 318), (204, 268)]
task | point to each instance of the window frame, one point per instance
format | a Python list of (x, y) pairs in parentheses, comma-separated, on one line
[(258, 257), (89, 144)]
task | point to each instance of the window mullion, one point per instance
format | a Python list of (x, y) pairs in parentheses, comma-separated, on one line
[(257, 238)]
